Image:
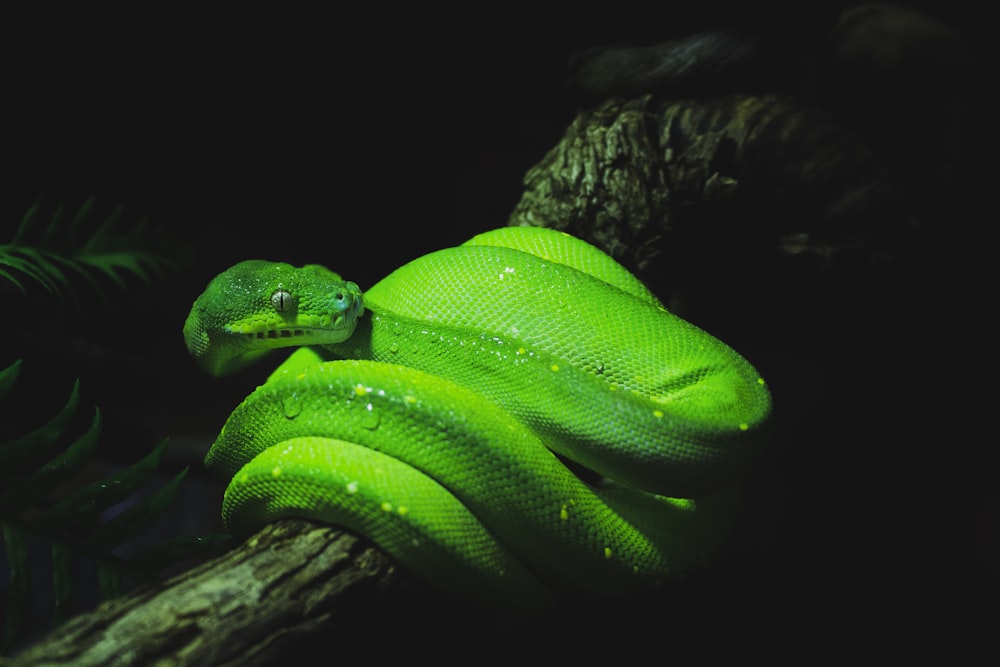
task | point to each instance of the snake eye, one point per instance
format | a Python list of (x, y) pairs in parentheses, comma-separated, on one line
[(281, 300), (341, 301)]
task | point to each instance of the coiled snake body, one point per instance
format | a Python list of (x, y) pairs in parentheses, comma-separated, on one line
[(444, 428)]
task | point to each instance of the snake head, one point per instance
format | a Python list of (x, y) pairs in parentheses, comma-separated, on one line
[(256, 306)]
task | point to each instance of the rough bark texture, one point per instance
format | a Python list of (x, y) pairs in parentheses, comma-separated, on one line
[(669, 186), (290, 581)]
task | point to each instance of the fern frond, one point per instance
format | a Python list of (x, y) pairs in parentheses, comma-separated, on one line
[(33, 488), (89, 500), (85, 524), (36, 442), (55, 250), (127, 524), (33, 264)]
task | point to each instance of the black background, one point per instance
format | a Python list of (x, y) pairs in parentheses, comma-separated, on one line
[(362, 139)]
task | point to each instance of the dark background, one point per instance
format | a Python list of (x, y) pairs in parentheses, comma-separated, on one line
[(363, 139)]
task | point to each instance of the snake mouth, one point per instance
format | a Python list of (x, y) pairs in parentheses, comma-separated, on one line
[(286, 333), (297, 336)]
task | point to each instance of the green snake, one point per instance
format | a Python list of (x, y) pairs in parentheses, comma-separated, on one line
[(515, 420)]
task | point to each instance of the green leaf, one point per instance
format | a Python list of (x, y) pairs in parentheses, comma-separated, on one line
[(38, 440), (49, 252), (59, 249), (32, 488), (11, 278), (104, 493), (11, 260), (53, 230), (133, 520), (103, 235)]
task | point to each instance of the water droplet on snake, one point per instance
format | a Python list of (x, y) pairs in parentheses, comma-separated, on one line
[(292, 406), (370, 419)]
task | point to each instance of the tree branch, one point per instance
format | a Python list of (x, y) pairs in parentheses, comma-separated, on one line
[(754, 176), (290, 581)]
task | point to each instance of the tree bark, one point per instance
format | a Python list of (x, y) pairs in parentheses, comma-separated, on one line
[(291, 581), (670, 187)]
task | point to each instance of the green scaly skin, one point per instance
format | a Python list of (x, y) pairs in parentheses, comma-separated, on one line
[(442, 429)]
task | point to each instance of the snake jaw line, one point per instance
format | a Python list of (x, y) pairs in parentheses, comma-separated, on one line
[(271, 334)]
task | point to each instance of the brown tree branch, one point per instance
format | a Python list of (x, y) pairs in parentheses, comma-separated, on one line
[(291, 581), (757, 177)]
